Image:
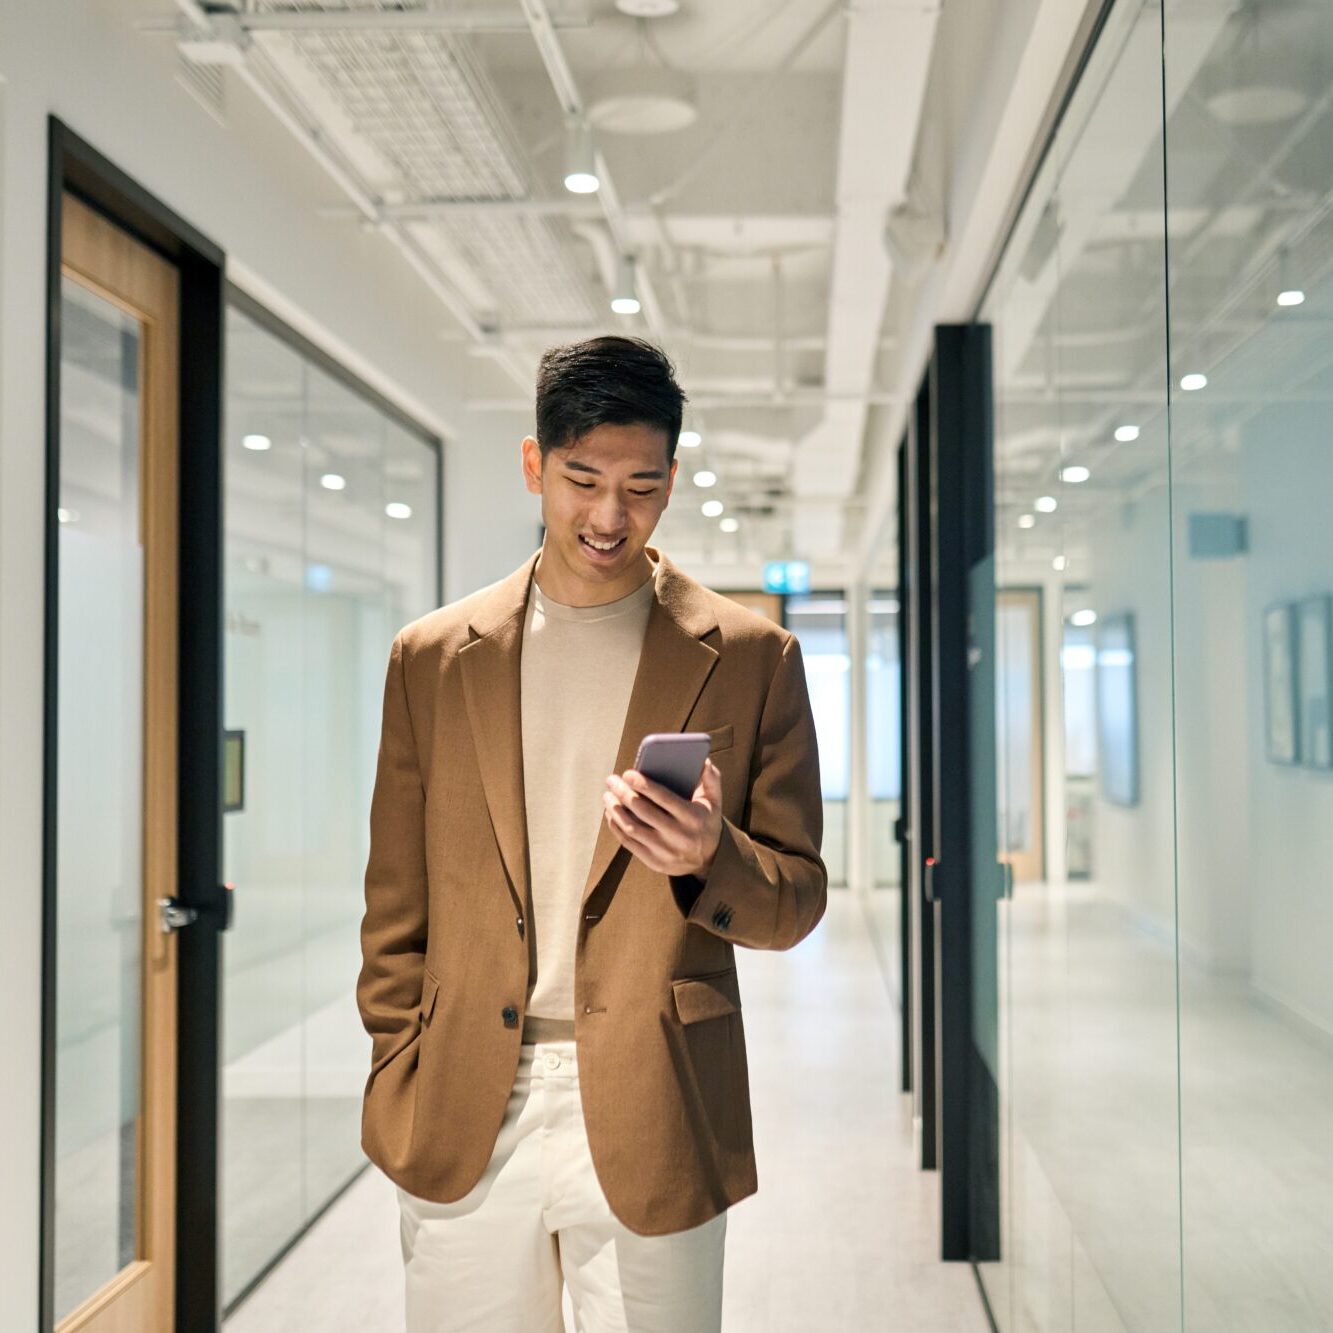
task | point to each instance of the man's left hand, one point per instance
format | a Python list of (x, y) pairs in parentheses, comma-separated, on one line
[(666, 832)]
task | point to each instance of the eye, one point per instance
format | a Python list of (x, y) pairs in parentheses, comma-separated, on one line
[(582, 485), (647, 492)]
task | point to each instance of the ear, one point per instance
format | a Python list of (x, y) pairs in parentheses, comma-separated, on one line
[(532, 465)]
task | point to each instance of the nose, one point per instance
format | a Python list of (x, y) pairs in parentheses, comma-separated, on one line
[(608, 516)]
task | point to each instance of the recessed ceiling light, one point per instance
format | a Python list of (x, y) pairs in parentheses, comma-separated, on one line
[(1083, 618), (690, 439), (1192, 382), (259, 443), (1126, 434), (705, 478), (1292, 296), (67, 515), (1075, 474), (1046, 504), (712, 508), (1059, 564), (1027, 520), (729, 524), (331, 481), (396, 509)]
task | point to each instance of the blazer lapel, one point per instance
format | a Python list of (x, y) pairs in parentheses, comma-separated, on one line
[(673, 667), (490, 673)]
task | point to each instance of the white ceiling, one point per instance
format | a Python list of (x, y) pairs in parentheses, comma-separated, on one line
[(757, 229)]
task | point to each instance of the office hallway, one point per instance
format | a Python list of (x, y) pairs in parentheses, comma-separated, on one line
[(843, 1232)]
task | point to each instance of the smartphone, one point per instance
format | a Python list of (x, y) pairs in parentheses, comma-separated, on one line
[(674, 758)]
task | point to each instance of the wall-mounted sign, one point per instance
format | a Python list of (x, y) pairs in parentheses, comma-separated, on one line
[(787, 576)]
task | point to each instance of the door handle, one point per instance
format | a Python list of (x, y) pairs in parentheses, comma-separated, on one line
[(928, 879), (175, 914)]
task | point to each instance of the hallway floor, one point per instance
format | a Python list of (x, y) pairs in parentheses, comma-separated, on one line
[(843, 1232)]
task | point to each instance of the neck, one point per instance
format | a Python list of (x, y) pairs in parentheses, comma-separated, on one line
[(562, 584)]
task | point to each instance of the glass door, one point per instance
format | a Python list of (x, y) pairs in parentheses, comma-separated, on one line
[(1021, 731), (111, 721)]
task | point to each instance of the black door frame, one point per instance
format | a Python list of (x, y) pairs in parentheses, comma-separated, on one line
[(75, 165), (961, 519), (920, 827)]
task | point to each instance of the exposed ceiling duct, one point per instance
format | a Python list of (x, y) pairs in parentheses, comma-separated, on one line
[(888, 47)]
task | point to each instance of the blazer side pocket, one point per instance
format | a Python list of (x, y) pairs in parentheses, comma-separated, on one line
[(708, 996)]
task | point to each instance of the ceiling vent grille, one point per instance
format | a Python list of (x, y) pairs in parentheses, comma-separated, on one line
[(419, 106)]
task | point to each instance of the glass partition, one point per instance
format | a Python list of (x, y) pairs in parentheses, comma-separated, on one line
[(1250, 268), (1087, 984), (819, 622), (332, 544), (1163, 371)]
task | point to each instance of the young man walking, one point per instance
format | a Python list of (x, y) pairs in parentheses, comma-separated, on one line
[(558, 1082)]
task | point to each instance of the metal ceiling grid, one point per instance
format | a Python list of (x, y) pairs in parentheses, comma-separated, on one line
[(424, 104)]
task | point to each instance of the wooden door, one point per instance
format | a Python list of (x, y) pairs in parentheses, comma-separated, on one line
[(112, 737)]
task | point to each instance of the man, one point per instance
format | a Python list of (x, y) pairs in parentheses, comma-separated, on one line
[(558, 1082)]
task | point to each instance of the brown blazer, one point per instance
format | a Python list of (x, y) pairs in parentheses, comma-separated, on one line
[(445, 975)]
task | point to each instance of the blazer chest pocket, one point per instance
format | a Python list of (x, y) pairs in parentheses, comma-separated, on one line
[(719, 738), (429, 989), (708, 996)]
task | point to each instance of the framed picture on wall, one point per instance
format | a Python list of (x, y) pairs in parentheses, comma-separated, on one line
[(1313, 622), (1281, 736), (1118, 709)]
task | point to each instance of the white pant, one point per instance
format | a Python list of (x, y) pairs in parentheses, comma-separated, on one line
[(493, 1261)]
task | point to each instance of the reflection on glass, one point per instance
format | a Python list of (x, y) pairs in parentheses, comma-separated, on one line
[(1089, 1098), (99, 840), (1250, 151), (1168, 1004), (884, 728), (819, 623), (332, 528)]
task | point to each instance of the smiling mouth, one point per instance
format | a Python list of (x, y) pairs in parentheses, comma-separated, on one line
[(602, 550)]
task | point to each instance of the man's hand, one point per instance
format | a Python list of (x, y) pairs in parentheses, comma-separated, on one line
[(667, 833)]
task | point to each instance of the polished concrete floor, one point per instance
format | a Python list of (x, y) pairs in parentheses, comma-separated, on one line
[(843, 1232)]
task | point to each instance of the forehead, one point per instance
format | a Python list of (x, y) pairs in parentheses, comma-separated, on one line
[(634, 450)]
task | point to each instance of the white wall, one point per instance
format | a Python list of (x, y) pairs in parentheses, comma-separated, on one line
[(1193, 762), (251, 189), (1286, 470), (1134, 847)]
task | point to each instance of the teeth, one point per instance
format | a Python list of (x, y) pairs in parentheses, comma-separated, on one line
[(599, 546)]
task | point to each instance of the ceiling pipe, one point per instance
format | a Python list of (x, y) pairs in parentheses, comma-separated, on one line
[(251, 64), (886, 64), (571, 103)]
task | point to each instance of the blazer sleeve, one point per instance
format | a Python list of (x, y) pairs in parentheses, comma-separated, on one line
[(393, 927), (768, 887)]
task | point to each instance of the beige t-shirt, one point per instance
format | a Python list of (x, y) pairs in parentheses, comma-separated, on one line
[(578, 665)]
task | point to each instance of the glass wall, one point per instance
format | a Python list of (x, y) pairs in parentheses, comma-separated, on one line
[(1163, 366), (884, 728), (819, 622), (332, 544)]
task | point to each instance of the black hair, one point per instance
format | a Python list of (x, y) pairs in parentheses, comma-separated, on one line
[(610, 379)]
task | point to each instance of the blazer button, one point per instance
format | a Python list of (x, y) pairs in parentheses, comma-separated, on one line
[(510, 1016)]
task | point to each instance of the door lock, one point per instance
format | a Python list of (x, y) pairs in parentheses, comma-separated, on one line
[(174, 914)]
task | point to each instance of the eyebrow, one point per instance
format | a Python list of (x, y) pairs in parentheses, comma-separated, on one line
[(587, 467)]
